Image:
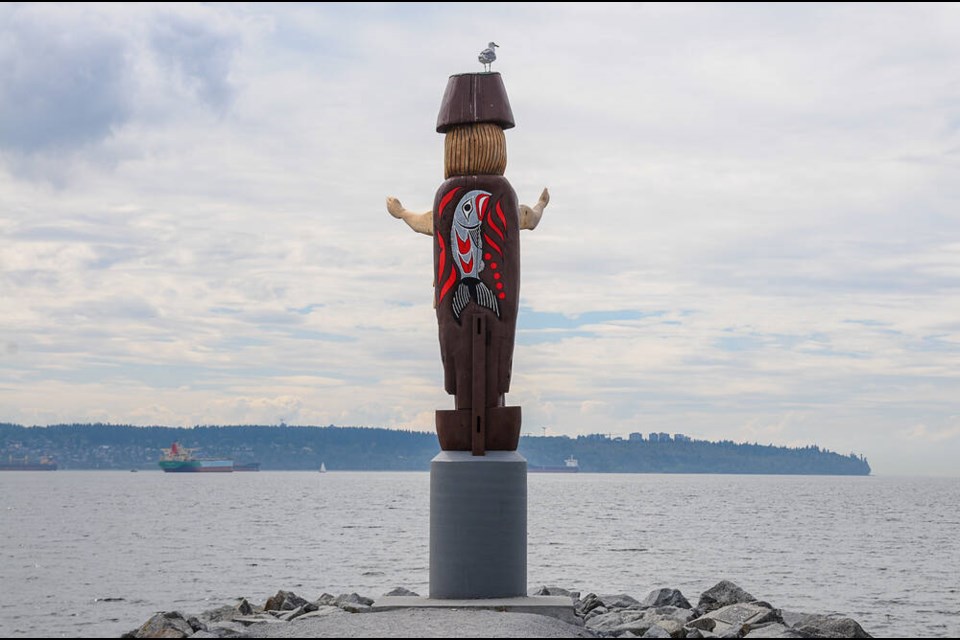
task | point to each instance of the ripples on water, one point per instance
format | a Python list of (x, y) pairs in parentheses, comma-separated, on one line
[(96, 553)]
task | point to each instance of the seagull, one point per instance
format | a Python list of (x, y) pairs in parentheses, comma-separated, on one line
[(488, 55)]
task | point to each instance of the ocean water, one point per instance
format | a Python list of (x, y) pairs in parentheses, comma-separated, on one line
[(95, 553)]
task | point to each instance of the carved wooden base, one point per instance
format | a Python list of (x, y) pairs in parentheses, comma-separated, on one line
[(456, 431)]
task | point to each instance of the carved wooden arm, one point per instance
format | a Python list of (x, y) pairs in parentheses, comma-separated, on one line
[(423, 222), (419, 222)]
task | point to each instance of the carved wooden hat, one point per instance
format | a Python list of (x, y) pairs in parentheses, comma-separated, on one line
[(472, 98)]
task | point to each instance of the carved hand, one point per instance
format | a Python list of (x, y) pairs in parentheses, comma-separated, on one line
[(419, 222), (530, 217)]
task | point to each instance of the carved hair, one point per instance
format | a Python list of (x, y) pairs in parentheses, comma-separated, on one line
[(475, 149)]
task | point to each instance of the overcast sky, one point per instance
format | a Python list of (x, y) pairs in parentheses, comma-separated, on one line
[(754, 231)]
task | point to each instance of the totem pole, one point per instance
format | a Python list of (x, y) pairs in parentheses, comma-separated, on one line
[(478, 482), (475, 224)]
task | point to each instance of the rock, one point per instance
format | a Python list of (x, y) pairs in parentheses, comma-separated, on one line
[(682, 616), (325, 599), (195, 624), (353, 603), (666, 597), (165, 625), (245, 608), (637, 621), (287, 616), (774, 630), (656, 631), (693, 633), (320, 612), (400, 591), (722, 594), (735, 618), (596, 611), (204, 634), (826, 626), (702, 623), (557, 591), (284, 601), (618, 601), (256, 619), (616, 622), (588, 604), (220, 613)]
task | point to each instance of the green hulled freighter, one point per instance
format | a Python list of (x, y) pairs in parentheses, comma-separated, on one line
[(179, 459)]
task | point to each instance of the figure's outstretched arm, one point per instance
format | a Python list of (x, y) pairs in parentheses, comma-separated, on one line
[(530, 216), (419, 222)]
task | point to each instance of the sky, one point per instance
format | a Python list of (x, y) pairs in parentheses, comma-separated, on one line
[(753, 233)]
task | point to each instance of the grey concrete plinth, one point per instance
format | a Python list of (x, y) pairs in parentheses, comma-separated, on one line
[(478, 525)]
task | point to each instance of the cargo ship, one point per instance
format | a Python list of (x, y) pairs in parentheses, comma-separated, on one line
[(179, 459), (24, 464), (570, 465)]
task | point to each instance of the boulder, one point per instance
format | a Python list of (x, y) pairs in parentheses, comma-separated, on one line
[(204, 634), (321, 612), (666, 597), (596, 611), (735, 618), (245, 608), (722, 594), (325, 599), (616, 622), (656, 631), (618, 601), (220, 613), (284, 601), (353, 602), (195, 624), (400, 591), (586, 604), (170, 624), (287, 616), (826, 626), (682, 616), (673, 628), (557, 591)]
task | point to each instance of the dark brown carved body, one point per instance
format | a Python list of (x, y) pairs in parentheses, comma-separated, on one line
[(470, 426)]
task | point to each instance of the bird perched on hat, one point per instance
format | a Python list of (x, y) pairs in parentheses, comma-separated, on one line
[(488, 55)]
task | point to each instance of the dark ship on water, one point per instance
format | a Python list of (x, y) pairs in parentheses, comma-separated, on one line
[(24, 464)]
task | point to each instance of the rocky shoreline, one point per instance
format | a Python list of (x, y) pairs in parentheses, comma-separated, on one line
[(723, 611)]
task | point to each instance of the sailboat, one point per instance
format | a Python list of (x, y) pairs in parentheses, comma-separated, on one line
[(323, 468)]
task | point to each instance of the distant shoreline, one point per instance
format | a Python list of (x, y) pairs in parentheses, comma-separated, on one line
[(283, 448)]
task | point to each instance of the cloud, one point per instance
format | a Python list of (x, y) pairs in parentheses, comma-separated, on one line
[(66, 80), (74, 76), (937, 434)]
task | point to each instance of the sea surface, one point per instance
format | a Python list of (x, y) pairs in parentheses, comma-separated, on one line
[(95, 553)]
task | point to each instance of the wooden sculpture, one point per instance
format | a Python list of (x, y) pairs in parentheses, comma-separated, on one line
[(475, 223)]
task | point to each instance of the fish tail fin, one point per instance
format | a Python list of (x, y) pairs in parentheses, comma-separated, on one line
[(461, 296), (486, 298)]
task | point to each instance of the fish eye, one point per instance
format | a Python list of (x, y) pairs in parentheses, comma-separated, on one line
[(466, 208)]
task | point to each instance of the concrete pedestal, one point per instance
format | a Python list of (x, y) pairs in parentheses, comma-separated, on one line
[(478, 525)]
